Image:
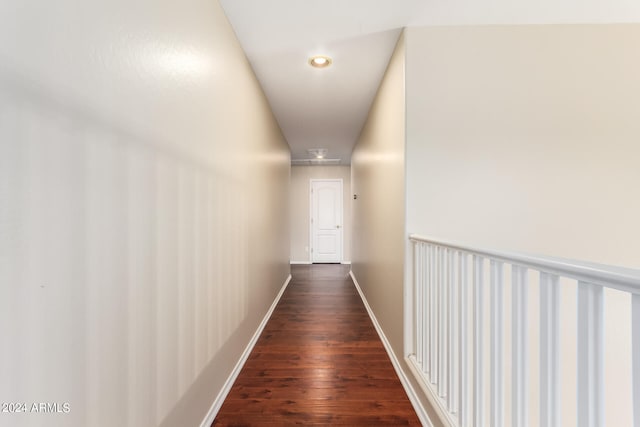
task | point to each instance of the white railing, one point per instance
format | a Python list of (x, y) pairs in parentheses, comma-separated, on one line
[(462, 356)]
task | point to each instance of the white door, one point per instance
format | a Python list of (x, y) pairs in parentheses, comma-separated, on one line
[(326, 220)]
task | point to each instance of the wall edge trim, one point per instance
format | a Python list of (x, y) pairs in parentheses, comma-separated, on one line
[(222, 395), (411, 393)]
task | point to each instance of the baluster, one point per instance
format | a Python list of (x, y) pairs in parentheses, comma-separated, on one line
[(519, 339), (415, 332), (433, 314), (462, 340), (590, 355), (425, 304), (549, 350), (478, 342), (497, 344), (443, 334), (453, 336), (635, 344), (418, 301), (424, 266)]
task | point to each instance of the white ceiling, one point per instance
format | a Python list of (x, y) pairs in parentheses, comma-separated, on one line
[(326, 108)]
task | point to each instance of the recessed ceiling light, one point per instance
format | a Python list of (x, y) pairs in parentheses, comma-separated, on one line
[(320, 61)]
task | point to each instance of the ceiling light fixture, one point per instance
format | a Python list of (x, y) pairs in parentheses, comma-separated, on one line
[(318, 153), (320, 61)]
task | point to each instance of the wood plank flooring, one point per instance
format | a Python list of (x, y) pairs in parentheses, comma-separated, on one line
[(319, 361)]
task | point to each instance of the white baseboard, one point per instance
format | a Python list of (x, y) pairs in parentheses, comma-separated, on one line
[(217, 403), (431, 393), (413, 397), (346, 262)]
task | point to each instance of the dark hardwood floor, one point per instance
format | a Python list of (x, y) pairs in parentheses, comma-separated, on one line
[(319, 361)]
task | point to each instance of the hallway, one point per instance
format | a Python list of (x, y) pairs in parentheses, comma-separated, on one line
[(157, 162), (319, 361)]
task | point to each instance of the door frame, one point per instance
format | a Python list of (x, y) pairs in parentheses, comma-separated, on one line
[(311, 206)]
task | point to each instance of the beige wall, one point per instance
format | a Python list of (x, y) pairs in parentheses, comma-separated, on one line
[(300, 176), (525, 138), (377, 166), (378, 180), (143, 209)]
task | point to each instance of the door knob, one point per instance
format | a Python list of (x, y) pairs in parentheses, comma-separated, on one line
[(337, 226)]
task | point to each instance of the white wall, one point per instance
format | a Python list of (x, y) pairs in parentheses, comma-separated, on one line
[(143, 200), (525, 138), (300, 177)]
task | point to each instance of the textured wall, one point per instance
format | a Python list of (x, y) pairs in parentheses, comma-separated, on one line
[(143, 200)]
